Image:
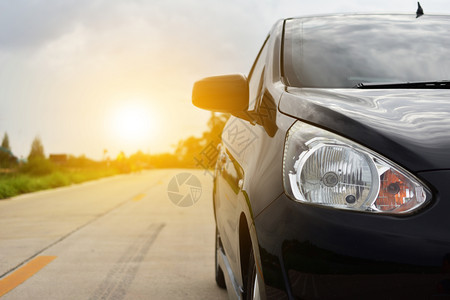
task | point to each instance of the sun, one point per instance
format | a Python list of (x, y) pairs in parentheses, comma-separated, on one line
[(133, 121)]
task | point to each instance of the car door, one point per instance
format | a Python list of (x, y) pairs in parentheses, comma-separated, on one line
[(237, 138)]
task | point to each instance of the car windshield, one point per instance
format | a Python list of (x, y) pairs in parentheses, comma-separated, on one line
[(343, 51)]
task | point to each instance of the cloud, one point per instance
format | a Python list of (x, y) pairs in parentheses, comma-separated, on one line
[(31, 24), (63, 61)]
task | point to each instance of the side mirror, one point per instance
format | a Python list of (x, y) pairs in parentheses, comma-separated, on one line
[(227, 94)]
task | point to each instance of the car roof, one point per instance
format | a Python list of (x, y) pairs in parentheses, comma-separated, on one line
[(368, 15)]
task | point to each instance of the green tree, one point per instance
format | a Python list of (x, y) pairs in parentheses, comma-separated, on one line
[(5, 142), (215, 125), (7, 159), (37, 149), (201, 152)]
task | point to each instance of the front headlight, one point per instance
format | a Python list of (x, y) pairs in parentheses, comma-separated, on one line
[(323, 168)]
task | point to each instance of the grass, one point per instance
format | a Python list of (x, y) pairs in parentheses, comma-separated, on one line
[(40, 173), (17, 183)]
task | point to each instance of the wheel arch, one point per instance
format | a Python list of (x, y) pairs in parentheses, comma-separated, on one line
[(245, 245)]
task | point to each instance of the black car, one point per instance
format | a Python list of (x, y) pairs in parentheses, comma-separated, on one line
[(333, 178)]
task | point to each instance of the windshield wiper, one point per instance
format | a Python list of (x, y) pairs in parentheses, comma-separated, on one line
[(443, 84)]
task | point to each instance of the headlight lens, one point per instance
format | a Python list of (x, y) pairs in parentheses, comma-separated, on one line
[(323, 168)]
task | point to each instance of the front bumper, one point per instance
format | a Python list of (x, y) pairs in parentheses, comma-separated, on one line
[(310, 252)]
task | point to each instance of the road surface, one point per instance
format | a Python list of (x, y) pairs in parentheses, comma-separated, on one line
[(115, 238)]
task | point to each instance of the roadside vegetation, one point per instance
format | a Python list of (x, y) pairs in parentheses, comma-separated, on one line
[(39, 172)]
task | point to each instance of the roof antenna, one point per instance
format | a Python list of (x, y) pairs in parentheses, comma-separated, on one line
[(419, 11)]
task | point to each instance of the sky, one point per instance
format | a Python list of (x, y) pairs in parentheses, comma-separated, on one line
[(90, 75)]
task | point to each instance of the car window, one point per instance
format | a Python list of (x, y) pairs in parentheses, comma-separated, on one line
[(256, 75), (342, 51)]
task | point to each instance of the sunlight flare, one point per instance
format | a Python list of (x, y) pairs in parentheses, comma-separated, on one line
[(133, 121)]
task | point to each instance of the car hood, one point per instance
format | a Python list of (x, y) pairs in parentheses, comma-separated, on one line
[(410, 127)]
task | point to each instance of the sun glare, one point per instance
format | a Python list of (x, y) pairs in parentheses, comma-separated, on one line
[(133, 122)]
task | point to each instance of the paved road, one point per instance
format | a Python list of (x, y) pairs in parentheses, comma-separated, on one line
[(116, 238)]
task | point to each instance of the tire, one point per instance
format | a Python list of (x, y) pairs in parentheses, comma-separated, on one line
[(252, 285), (220, 279)]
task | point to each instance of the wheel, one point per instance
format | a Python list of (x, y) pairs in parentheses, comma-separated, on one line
[(220, 279), (252, 285)]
